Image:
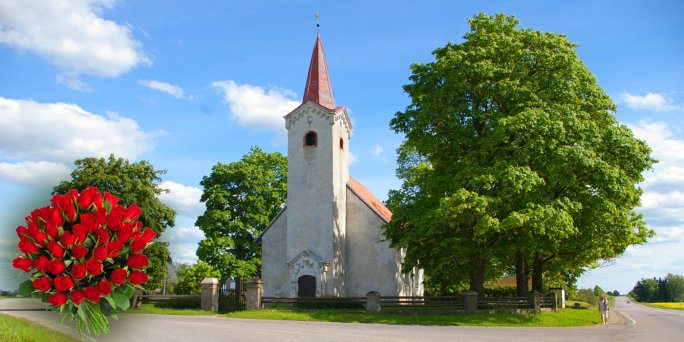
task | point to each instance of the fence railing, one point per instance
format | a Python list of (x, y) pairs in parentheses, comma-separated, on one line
[(429, 304)]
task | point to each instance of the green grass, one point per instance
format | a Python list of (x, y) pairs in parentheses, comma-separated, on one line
[(20, 330), (561, 318), (151, 309), (676, 306)]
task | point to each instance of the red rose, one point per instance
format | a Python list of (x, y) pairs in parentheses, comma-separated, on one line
[(88, 221), (138, 278), (28, 247), (51, 230), (101, 217), (148, 235), (80, 232), (104, 287), (93, 266), (85, 199), (56, 217), (42, 284), (78, 271), (118, 277), (115, 217), (132, 213), (42, 264), (57, 299), (63, 283), (79, 251), (56, 267), (56, 250), (124, 232), (111, 199), (138, 245), (68, 239), (24, 264), (102, 235), (92, 294), (77, 296), (100, 253), (113, 248), (137, 261), (23, 233), (40, 238)]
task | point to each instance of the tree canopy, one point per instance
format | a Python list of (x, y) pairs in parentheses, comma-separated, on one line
[(138, 183), (190, 277), (241, 198), (512, 162)]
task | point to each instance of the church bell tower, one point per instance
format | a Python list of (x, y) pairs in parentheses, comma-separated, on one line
[(318, 171)]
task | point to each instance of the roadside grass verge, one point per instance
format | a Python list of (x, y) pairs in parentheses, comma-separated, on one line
[(17, 329), (152, 309), (675, 306), (561, 318)]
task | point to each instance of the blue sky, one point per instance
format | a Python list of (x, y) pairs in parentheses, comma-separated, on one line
[(185, 85)]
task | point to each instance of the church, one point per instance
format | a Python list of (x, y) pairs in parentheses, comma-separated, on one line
[(327, 240)]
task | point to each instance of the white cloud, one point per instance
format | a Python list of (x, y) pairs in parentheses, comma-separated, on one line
[(36, 138), (34, 173), (185, 200), (257, 108), (352, 158), (377, 150), (183, 242), (651, 101), (164, 87), (72, 35)]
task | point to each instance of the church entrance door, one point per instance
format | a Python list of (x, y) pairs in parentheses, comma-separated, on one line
[(306, 286)]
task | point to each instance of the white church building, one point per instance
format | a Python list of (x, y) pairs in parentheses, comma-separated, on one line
[(327, 240)]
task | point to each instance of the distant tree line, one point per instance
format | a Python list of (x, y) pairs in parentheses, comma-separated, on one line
[(668, 289)]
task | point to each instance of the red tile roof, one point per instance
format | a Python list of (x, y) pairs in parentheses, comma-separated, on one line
[(370, 199), (318, 87)]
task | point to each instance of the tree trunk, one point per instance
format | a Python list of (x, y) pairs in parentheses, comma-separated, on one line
[(537, 271), (520, 274), (477, 265)]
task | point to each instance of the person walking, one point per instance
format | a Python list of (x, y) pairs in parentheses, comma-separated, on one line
[(603, 309)]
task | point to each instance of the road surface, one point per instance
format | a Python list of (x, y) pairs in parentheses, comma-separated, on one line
[(628, 322)]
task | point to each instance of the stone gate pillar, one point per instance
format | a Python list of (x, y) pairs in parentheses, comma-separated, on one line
[(210, 294), (255, 290)]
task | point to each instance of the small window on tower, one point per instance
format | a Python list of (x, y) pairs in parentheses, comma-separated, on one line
[(341, 144), (310, 139)]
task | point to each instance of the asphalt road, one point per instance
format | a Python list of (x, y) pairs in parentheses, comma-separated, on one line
[(628, 322)]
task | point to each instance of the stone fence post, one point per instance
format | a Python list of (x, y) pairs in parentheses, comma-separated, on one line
[(373, 304), (535, 301), (470, 301), (210, 294), (255, 290)]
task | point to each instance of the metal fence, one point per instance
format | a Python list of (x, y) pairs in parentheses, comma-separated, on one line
[(233, 299)]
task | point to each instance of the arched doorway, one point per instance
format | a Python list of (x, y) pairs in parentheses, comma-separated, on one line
[(306, 286)]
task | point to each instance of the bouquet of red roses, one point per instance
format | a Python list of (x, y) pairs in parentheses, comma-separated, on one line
[(85, 252)]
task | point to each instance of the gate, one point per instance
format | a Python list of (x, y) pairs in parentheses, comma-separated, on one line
[(233, 299)]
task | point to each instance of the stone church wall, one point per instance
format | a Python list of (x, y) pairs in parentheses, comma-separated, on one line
[(274, 259)]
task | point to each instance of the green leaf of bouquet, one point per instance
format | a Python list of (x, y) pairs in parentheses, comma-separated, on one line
[(107, 306), (68, 262), (130, 290), (81, 313), (26, 288), (107, 206), (121, 300), (110, 301)]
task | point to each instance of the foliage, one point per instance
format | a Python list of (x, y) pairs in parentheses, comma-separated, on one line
[(160, 257), (84, 255), (241, 199), (588, 296), (136, 182), (22, 330), (668, 289), (190, 277), (512, 159)]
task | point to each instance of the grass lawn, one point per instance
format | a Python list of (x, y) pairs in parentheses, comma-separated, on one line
[(151, 309), (676, 306), (561, 318), (16, 329)]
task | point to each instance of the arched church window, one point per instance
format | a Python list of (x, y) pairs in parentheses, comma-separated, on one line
[(310, 139), (341, 144)]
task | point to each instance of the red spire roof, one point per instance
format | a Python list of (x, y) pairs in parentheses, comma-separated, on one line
[(318, 87)]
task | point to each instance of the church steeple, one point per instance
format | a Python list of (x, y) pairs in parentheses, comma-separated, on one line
[(318, 87)]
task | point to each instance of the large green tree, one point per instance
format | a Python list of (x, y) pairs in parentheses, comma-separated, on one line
[(241, 198), (190, 277), (138, 183), (512, 159)]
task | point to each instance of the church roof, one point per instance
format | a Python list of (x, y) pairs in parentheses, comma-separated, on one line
[(371, 201), (318, 87)]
